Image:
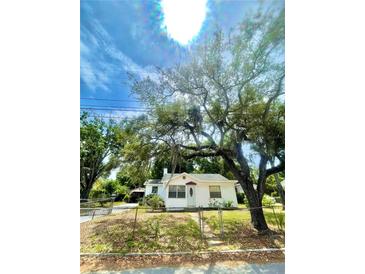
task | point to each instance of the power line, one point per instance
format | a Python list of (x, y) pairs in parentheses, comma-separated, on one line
[(112, 100), (119, 109), (113, 117), (128, 107)]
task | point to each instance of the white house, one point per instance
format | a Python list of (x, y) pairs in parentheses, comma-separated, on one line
[(192, 190)]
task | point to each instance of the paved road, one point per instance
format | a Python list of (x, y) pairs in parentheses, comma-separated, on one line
[(277, 268), (119, 208)]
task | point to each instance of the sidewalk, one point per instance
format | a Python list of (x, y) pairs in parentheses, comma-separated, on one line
[(215, 268), (212, 240)]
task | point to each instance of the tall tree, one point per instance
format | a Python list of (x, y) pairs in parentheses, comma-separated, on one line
[(227, 95), (100, 144), (138, 152)]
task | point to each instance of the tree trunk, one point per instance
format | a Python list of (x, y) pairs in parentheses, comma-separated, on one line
[(262, 176), (257, 214), (84, 193)]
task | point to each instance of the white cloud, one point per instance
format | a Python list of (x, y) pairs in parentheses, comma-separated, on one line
[(98, 73), (127, 114), (93, 77), (128, 64)]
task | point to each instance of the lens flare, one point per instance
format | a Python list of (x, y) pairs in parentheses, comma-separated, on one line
[(183, 19)]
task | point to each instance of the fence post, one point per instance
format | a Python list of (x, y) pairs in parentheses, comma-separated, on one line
[(221, 222), (113, 198), (135, 222), (202, 222), (92, 218)]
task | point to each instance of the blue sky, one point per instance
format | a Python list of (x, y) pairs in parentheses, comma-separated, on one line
[(120, 36)]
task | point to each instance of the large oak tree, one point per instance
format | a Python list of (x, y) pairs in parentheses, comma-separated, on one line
[(225, 98)]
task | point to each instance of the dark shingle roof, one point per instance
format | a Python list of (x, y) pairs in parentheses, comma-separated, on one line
[(153, 181)]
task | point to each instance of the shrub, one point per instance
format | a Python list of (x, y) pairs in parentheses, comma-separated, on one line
[(278, 199), (215, 203), (154, 201), (122, 193), (126, 197), (140, 201), (245, 201), (98, 190), (267, 200), (104, 188), (95, 194), (228, 204), (240, 198)]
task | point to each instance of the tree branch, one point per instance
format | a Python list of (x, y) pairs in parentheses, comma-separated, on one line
[(202, 154), (272, 98), (276, 169)]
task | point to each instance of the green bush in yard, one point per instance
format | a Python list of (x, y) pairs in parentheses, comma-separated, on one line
[(140, 201), (278, 200), (267, 200), (154, 201), (104, 188), (215, 203), (98, 190), (126, 197), (228, 204), (95, 194)]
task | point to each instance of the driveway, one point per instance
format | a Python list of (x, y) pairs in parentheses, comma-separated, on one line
[(275, 268), (123, 207), (116, 209)]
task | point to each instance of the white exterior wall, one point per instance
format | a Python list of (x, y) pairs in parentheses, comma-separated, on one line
[(202, 193), (228, 193), (160, 191), (176, 202), (239, 189)]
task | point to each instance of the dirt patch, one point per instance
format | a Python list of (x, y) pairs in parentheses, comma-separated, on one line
[(118, 263)]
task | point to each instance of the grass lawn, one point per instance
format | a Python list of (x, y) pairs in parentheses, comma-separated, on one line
[(243, 216), (176, 231), (242, 206), (238, 229), (155, 232), (119, 203)]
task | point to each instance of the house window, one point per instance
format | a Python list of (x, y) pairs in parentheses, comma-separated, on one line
[(215, 192), (176, 191), (154, 189)]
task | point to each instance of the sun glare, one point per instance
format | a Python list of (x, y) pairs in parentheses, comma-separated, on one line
[(183, 18)]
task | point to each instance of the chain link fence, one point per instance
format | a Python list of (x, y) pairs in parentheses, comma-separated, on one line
[(96, 207), (143, 229)]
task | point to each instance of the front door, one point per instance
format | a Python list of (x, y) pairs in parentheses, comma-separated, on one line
[(191, 195)]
